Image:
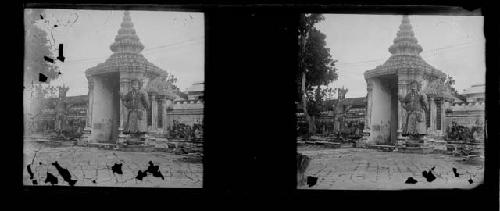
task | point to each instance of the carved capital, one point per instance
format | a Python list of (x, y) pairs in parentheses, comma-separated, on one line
[(124, 80), (160, 97), (403, 82)]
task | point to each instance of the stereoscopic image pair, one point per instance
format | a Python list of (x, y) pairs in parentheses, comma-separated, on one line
[(115, 98)]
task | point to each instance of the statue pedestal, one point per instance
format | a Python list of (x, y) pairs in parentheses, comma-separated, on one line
[(85, 138), (413, 145), (134, 143), (122, 138), (364, 140), (135, 139), (149, 140)]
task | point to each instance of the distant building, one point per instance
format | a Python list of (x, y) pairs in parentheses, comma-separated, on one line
[(75, 110), (470, 113), (189, 111), (476, 93), (196, 91)]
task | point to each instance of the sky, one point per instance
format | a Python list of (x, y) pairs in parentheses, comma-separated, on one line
[(453, 44), (174, 41)]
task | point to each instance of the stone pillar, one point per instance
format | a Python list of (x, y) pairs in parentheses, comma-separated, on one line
[(441, 117), (402, 90), (90, 102), (168, 120), (163, 102), (154, 112), (88, 120), (401, 112), (159, 112), (369, 88), (366, 128), (124, 88), (432, 108)]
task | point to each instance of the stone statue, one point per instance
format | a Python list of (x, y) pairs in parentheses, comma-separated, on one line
[(61, 119), (415, 105), (136, 101), (61, 110)]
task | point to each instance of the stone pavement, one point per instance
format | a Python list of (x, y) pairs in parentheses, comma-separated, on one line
[(93, 167), (368, 169)]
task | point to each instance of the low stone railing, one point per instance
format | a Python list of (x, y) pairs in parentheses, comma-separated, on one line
[(187, 105), (473, 106)]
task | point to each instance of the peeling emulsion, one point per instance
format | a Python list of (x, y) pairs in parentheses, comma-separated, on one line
[(93, 167), (366, 169)]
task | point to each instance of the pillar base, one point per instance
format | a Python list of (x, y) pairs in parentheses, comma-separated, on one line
[(400, 134), (414, 145), (85, 138), (363, 142), (149, 140), (122, 139), (401, 141)]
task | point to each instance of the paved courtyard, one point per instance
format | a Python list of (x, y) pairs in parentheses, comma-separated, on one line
[(357, 168), (94, 167)]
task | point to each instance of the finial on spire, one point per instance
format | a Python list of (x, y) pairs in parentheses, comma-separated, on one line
[(405, 42), (127, 39)]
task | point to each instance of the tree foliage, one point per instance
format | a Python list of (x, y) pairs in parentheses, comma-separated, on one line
[(317, 98), (314, 57), (172, 80), (37, 47), (450, 83), (316, 62), (315, 67)]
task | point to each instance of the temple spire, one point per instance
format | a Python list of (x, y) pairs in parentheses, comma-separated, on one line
[(127, 40), (405, 42)]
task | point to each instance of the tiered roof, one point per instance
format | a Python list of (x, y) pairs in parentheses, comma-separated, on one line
[(475, 89), (126, 55), (405, 55)]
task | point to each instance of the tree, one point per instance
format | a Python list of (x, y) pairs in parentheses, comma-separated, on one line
[(316, 67), (37, 49), (171, 79), (450, 83)]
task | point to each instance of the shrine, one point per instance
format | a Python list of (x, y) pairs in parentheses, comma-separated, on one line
[(108, 82), (390, 86)]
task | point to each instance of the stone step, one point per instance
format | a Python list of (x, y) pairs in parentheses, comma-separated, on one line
[(131, 142), (420, 150), (384, 148), (58, 143), (136, 145), (414, 144), (332, 145), (137, 149), (102, 145)]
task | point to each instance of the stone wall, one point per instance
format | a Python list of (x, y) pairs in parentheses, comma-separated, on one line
[(187, 112), (466, 114)]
